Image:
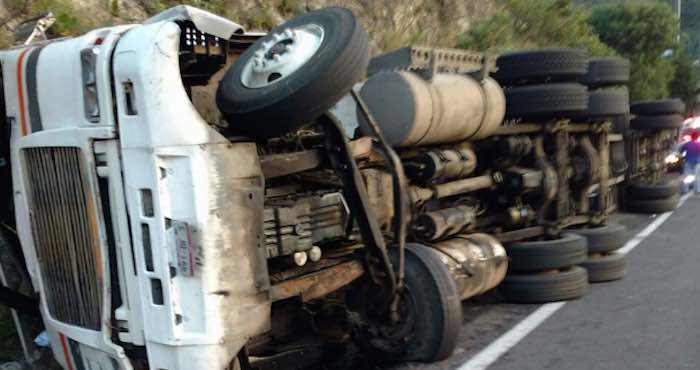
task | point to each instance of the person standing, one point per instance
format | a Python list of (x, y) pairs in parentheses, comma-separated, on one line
[(691, 154)]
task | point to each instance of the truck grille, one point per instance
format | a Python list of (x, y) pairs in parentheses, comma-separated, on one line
[(66, 236)]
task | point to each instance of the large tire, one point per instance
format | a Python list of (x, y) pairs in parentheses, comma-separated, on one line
[(435, 307), (605, 267), (296, 99), (661, 122), (658, 107), (606, 103), (603, 239), (653, 206), (540, 255), (607, 72), (546, 100), (545, 287), (555, 64), (669, 187)]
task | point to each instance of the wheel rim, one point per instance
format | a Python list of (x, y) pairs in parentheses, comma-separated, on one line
[(282, 55), (389, 336)]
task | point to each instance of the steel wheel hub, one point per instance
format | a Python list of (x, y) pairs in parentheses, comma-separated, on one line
[(282, 55)]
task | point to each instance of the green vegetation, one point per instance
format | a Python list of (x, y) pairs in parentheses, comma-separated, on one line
[(641, 32), (686, 79), (534, 23)]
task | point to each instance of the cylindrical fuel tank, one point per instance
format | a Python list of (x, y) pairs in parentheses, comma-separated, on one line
[(412, 111), (477, 262)]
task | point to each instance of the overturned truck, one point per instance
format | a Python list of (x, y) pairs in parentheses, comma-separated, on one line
[(187, 195)]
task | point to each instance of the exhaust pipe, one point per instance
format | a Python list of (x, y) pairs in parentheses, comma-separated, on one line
[(477, 262)]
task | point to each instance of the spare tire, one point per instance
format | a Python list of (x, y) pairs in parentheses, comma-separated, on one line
[(666, 188), (663, 122), (653, 206), (603, 239), (539, 65), (606, 103), (294, 74), (545, 287), (607, 72), (658, 107), (546, 100), (541, 255)]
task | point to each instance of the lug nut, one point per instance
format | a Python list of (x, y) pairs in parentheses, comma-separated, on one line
[(300, 258), (314, 253)]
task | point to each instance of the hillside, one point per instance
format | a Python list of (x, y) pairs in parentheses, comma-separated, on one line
[(391, 23)]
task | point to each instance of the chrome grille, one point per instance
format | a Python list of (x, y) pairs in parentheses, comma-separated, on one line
[(66, 237)]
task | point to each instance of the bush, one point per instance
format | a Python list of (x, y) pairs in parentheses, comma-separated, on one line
[(534, 23), (641, 32)]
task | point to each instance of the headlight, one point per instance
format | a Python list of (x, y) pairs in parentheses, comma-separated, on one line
[(689, 179), (672, 158)]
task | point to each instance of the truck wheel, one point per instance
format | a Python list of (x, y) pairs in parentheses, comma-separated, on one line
[(294, 74), (540, 65), (546, 100), (604, 267), (430, 312), (607, 72), (606, 103), (662, 122), (658, 107), (603, 239), (545, 287), (665, 189), (653, 206), (541, 255)]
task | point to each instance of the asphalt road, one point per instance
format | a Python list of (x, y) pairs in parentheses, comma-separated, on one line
[(648, 320)]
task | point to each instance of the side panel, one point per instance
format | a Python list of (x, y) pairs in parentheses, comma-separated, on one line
[(195, 203)]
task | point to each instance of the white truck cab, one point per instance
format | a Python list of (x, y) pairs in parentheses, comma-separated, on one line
[(130, 208)]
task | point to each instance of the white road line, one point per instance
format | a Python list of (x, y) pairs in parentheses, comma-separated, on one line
[(634, 242), (505, 342), (512, 337)]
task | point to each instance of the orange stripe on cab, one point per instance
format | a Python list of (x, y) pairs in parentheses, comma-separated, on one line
[(20, 92), (66, 355)]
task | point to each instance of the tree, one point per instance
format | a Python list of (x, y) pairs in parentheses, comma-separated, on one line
[(534, 23), (686, 79), (641, 32)]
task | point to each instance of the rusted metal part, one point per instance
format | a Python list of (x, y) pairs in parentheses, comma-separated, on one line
[(277, 165), (550, 182), (586, 172), (441, 164), (575, 220), (613, 138), (401, 201), (463, 186), (477, 262), (518, 129), (604, 193), (560, 139), (317, 284), (443, 223), (578, 127), (412, 58), (380, 193), (521, 234), (376, 259)]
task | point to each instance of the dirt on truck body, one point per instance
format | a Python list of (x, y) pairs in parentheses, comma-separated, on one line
[(187, 195)]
